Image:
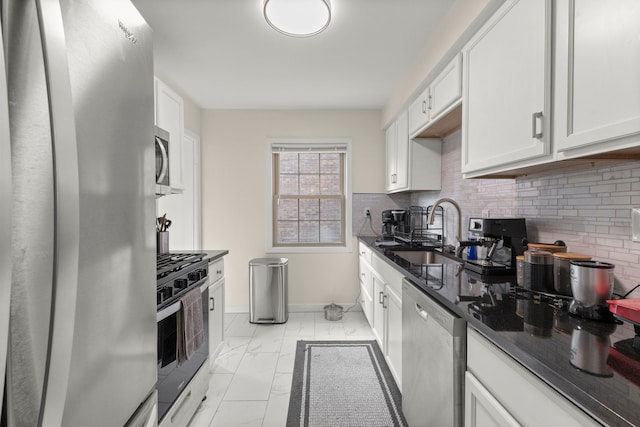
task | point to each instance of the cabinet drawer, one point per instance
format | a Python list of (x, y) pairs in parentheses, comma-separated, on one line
[(365, 276), (364, 252), (367, 304), (391, 277), (216, 270), (508, 382)]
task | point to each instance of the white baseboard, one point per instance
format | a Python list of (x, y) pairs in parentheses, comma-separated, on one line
[(294, 308)]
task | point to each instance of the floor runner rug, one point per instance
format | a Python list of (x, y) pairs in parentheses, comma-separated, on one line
[(343, 383)]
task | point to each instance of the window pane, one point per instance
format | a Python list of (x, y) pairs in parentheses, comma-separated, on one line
[(288, 209), (288, 163), (330, 163), (330, 184), (288, 184), (309, 184), (309, 231), (287, 232), (330, 209), (310, 209), (330, 232), (309, 163)]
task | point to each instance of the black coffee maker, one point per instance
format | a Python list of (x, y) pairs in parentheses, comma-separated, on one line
[(504, 239), (394, 221)]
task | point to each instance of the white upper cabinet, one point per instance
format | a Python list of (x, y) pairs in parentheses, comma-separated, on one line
[(170, 117), (597, 76), (397, 141), (411, 164), (443, 94), (506, 90)]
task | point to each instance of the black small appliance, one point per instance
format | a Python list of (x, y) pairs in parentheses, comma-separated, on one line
[(504, 238)]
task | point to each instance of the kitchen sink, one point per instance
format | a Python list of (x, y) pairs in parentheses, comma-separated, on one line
[(425, 257)]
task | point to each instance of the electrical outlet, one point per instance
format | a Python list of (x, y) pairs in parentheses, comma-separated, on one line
[(367, 212), (485, 213)]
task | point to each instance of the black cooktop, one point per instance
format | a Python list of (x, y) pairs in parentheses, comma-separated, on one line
[(173, 262)]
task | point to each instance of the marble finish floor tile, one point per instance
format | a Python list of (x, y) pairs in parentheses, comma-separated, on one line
[(251, 377)]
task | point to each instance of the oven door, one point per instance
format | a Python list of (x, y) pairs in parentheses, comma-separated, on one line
[(172, 379)]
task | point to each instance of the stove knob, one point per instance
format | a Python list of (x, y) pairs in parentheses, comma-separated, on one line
[(164, 294), (181, 283)]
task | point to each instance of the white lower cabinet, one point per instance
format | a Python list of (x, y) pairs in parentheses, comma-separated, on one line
[(378, 324), (366, 281), (500, 392), (394, 333), (387, 314), (216, 308), (481, 409)]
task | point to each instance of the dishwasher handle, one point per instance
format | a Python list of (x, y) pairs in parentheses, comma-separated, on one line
[(422, 312)]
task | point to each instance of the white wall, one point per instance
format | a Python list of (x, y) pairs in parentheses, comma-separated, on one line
[(461, 20), (233, 199)]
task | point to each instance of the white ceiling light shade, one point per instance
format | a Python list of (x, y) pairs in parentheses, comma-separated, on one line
[(298, 18)]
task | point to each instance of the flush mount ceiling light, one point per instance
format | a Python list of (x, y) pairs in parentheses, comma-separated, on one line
[(298, 18)]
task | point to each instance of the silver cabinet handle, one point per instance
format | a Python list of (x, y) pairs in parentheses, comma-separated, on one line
[(534, 124), (380, 294), (212, 303), (430, 102), (424, 107), (384, 300)]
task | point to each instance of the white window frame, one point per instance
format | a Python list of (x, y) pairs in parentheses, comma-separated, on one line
[(270, 147)]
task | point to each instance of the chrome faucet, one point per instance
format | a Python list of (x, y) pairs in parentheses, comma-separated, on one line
[(431, 217)]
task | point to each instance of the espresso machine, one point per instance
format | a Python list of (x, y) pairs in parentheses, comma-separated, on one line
[(503, 239), (393, 221)]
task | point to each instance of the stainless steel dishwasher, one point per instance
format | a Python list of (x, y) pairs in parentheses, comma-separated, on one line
[(433, 361)]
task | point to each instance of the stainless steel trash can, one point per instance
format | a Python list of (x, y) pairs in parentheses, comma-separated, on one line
[(268, 290)]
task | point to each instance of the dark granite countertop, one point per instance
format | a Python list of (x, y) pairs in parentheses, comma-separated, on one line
[(214, 254), (539, 333)]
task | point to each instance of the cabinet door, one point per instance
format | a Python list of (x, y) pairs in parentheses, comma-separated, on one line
[(419, 112), (446, 89), (505, 91), (170, 117), (481, 409), (394, 334), (402, 152), (379, 303), (366, 302), (597, 93), (391, 164), (216, 318)]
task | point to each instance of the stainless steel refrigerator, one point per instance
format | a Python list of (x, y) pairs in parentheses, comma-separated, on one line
[(77, 248)]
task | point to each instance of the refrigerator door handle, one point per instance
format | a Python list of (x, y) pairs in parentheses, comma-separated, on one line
[(5, 216), (67, 220)]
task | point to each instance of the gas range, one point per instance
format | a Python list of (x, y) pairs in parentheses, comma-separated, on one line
[(178, 273)]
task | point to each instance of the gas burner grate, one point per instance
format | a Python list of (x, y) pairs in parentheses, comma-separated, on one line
[(170, 262)]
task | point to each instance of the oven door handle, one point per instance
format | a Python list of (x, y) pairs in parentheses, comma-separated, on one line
[(168, 311)]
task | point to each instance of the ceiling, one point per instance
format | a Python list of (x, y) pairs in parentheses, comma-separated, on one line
[(223, 55)]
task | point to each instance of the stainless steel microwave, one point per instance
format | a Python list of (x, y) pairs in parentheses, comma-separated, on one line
[(162, 160)]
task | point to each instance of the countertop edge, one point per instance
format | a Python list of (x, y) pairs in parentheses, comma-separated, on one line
[(596, 410), (214, 254)]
